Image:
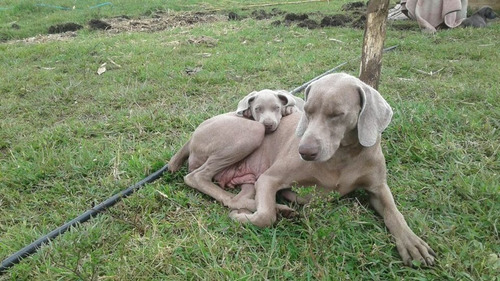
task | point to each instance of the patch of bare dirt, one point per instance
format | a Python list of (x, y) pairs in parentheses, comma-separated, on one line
[(47, 38), (353, 16), (161, 21), (157, 22)]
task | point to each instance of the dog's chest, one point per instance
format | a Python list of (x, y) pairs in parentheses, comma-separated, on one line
[(342, 177)]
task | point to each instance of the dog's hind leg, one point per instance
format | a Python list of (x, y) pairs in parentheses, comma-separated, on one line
[(266, 207), (244, 199), (201, 179), (216, 145)]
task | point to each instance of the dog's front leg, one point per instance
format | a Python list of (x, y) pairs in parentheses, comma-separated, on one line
[(410, 246), (244, 199), (265, 198)]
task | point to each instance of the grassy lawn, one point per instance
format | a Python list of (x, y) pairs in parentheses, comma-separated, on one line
[(70, 138)]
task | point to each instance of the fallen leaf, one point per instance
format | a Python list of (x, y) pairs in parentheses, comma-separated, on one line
[(110, 60), (101, 69), (162, 194), (192, 71), (205, 55), (335, 40)]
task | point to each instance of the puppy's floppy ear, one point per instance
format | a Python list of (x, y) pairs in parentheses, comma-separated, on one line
[(303, 122), (244, 105), (490, 14), (288, 102), (374, 117)]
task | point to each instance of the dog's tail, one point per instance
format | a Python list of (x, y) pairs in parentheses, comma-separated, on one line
[(179, 158)]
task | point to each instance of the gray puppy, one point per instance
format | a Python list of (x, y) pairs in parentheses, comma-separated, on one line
[(478, 19)]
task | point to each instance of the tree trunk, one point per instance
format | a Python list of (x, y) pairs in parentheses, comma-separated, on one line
[(373, 43)]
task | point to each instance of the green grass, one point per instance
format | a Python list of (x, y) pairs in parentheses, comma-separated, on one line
[(70, 138)]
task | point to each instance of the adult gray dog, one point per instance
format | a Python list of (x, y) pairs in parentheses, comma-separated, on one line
[(479, 18), (338, 149)]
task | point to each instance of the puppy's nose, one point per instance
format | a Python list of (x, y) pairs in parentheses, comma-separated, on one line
[(269, 125), (308, 151)]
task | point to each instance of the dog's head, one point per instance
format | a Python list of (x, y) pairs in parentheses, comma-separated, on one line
[(267, 107), (340, 110), (487, 13)]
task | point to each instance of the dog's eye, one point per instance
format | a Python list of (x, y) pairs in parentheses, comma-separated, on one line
[(276, 108), (258, 109)]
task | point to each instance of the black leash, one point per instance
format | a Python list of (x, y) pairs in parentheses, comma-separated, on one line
[(33, 247)]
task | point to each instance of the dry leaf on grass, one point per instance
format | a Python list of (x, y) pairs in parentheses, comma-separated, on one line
[(203, 40), (192, 70), (101, 69)]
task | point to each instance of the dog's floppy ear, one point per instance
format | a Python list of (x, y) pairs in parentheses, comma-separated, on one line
[(490, 14), (288, 102), (244, 105), (374, 117), (303, 122)]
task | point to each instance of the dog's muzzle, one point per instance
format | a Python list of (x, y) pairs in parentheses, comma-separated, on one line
[(308, 151)]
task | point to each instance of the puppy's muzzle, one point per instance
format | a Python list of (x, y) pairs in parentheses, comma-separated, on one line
[(269, 125)]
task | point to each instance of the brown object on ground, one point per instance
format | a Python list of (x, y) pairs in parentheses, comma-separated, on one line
[(65, 27), (336, 20), (308, 23), (161, 21), (99, 24), (296, 17)]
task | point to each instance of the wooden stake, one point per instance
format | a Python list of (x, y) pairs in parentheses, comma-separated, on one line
[(373, 42)]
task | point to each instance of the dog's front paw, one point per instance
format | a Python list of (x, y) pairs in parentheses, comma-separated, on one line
[(414, 251), (241, 203), (240, 215), (257, 219), (289, 110)]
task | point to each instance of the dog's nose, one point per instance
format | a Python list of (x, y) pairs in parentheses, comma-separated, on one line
[(269, 125), (308, 151)]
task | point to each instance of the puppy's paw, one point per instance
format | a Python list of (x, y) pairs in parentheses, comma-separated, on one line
[(241, 215), (262, 219), (241, 203), (289, 110)]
